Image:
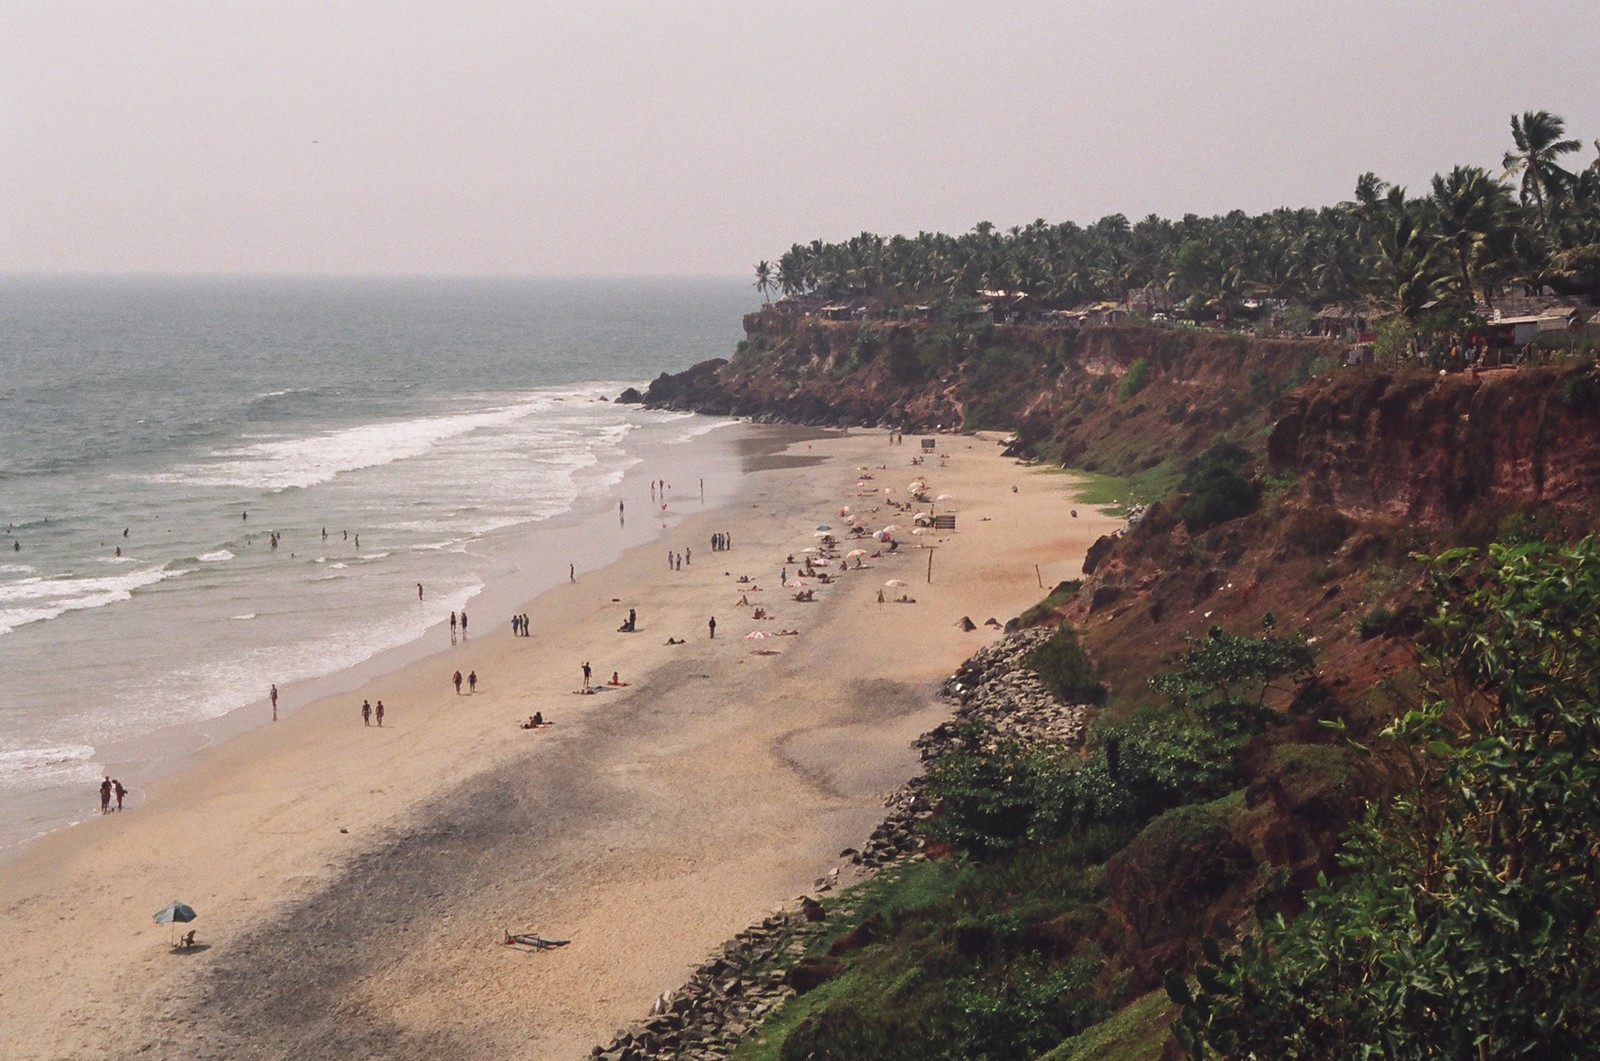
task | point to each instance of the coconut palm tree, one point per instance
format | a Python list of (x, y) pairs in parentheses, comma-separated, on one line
[(764, 280), (1406, 271), (1537, 135), (1471, 209)]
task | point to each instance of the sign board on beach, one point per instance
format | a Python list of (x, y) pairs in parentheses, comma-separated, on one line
[(928, 444), (946, 522)]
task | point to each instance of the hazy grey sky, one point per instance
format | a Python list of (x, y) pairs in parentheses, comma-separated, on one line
[(359, 136)]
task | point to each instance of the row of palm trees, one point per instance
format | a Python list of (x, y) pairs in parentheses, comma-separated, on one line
[(1534, 227)]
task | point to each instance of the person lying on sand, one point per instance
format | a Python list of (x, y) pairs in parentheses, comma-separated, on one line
[(905, 600), (614, 680), (788, 633), (674, 640), (535, 721)]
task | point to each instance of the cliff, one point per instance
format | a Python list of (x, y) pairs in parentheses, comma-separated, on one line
[(1291, 493)]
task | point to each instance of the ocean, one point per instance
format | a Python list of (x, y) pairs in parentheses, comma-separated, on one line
[(210, 485)]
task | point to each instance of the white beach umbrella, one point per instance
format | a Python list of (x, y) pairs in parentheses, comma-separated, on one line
[(758, 635), (853, 553), (893, 528), (895, 583), (945, 497)]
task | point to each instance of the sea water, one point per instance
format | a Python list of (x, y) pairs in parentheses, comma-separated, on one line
[(158, 436)]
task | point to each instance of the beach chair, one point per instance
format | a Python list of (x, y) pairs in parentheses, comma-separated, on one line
[(186, 941), (533, 941)]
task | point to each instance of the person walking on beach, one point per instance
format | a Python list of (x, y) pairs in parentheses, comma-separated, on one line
[(586, 675), (712, 625), (366, 713), (116, 786), (463, 624), (452, 626), (419, 585), (525, 625), (572, 573), (472, 681), (105, 794), (457, 679), (273, 696), (378, 711)]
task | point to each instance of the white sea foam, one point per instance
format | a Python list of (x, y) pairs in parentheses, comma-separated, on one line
[(215, 557), (31, 600), (41, 766), (241, 618), (286, 463)]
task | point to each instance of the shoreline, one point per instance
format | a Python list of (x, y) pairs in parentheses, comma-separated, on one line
[(585, 536), (652, 822)]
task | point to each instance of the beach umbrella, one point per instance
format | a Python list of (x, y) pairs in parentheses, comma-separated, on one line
[(944, 497), (823, 527), (758, 635), (853, 553), (822, 534), (895, 583), (175, 913), (892, 528)]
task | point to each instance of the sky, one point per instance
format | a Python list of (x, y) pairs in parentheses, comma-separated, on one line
[(698, 137)]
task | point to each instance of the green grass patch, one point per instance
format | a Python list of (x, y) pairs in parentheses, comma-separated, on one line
[(1093, 490), (1136, 1032)]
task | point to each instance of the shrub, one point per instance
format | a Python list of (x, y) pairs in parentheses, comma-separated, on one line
[(1578, 390), (1464, 923), (1066, 670), (1134, 380), (1217, 494), (1374, 623)]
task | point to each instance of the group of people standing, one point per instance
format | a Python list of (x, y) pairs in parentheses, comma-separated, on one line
[(721, 542), (519, 625), (109, 787), (675, 561)]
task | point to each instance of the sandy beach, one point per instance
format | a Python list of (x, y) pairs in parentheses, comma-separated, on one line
[(353, 883)]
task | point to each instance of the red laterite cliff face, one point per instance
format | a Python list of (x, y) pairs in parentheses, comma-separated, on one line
[(1435, 450)]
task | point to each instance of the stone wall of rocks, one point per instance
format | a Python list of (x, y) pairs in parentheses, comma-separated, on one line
[(765, 965)]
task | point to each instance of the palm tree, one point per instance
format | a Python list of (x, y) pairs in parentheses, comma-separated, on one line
[(1471, 209), (1406, 271), (764, 280), (1537, 135)]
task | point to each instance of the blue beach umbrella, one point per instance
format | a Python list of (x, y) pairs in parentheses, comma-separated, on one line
[(175, 913)]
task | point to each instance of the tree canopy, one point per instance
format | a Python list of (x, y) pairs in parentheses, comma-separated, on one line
[(1472, 235)]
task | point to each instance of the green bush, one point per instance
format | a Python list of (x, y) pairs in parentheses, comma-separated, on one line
[(1217, 494), (1464, 923), (1134, 380), (1066, 670), (1373, 623)]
